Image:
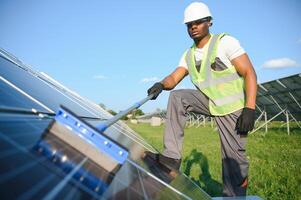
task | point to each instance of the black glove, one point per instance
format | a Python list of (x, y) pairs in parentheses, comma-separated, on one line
[(156, 89), (246, 121)]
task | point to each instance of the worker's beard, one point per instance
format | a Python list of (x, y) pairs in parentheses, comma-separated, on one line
[(198, 38)]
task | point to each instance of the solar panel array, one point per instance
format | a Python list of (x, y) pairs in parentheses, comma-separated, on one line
[(280, 96)]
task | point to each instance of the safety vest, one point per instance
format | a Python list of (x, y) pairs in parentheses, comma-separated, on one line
[(225, 89)]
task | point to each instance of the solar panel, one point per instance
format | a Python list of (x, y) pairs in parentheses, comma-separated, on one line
[(282, 95), (35, 163)]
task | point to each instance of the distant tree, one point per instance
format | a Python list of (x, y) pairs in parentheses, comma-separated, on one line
[(102, 106), (137, 112), (112, 112)]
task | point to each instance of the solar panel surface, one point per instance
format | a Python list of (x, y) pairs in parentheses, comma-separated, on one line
[(36, 164)]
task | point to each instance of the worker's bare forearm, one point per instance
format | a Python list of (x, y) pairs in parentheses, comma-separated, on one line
[(170, 81), (251, 89), (245, 68)]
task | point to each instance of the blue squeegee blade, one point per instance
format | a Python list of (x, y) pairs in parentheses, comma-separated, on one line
[(91, 135)]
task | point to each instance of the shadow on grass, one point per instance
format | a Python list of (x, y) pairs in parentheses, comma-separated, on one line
[(212, 187)]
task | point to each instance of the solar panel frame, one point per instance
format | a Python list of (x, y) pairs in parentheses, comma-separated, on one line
[(281, 94)]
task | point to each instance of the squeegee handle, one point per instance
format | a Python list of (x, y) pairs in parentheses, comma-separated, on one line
[(103, 126)]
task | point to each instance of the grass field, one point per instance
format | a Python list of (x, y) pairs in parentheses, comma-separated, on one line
[(274, 157)]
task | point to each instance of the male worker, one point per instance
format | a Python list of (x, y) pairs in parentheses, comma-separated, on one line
[(226, 89)]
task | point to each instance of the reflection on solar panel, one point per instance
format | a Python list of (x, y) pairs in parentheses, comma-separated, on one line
[(280, 100), (37, 161)]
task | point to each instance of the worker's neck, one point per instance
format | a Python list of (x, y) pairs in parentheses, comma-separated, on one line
[(201, 42)]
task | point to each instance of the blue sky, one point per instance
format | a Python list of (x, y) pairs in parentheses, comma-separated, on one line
[(112, 51)]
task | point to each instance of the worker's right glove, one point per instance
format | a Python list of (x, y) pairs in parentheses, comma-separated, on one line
[(156, 89), (246, 120)]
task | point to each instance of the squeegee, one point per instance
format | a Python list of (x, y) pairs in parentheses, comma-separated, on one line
[(68, 140)]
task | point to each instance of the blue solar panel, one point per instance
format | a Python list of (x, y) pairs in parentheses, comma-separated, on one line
[(36, 163)]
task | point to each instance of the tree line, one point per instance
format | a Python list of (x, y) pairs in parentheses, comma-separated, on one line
[(132, 115)]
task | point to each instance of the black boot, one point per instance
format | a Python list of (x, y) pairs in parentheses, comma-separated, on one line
[(170, 163)]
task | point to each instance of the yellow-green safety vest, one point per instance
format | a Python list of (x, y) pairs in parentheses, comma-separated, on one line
[(225, 89)]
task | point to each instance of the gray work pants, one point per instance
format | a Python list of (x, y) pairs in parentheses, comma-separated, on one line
[(234, 162)]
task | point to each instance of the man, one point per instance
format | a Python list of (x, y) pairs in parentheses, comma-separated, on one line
[(226, 89)]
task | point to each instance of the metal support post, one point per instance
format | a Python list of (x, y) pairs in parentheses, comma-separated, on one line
[(287, 122), (265, 121)]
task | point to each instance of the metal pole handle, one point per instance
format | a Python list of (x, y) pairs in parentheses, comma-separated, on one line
[(103, 126)]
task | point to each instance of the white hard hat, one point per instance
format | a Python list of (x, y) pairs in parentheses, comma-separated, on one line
[(195, 11)]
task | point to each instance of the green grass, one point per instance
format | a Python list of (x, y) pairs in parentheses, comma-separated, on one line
[(274, 157)]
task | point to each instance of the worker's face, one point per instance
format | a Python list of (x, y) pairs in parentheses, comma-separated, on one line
[(198, 29)]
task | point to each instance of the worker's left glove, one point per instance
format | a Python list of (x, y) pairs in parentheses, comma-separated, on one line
[(246, 120), (156, 89)]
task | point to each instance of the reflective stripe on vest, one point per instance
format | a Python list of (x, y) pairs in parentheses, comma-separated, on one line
[(225, 89)]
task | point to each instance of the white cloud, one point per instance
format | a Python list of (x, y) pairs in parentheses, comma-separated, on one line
[(99, 77), (150, 79), (280, 63)]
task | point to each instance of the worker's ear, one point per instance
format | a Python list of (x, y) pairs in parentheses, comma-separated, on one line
[(209, 23)]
